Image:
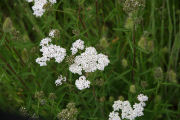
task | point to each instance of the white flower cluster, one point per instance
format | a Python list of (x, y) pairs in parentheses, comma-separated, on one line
[(82, 83), (78, 44), (89, 61), (60, 80), (127, 111), (38, 6), (114, 116), (50, 51)]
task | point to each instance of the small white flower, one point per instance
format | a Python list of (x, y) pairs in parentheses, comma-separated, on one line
[(138, 110), (51, 33), (103, 61), (45, 41), (60, 80), (52, 1), (38, 7), (114, 116), (42, 61), (82, 83), (142, 98), (117, 105), (78, 44), (29, 1), (74, 68)]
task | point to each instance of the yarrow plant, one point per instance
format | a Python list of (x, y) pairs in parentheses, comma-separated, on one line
[(50, 51), (60, 80), (88, 61), (128, 112), (38, 7), (82, 83), (78, 44)]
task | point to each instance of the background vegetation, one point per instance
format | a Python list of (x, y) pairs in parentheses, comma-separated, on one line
[(104, 25)]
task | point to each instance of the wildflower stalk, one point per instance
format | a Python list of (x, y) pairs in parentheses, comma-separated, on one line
[(97, 19), (134, 51), (80, 19), (11, 69), (95, 97), (14, 49), (22, 62)]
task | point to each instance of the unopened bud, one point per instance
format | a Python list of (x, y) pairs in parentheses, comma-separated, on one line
[(39, 95), (52, 96), (150, 46), (158, 73), (103, 42), (124, 63), (111, 99), (171, 76), (121, 98), (144, 84), (24, 55), (7, 25), (142, 43), (132, 89)]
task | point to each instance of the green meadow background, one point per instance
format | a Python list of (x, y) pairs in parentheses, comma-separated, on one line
[(153, 69)]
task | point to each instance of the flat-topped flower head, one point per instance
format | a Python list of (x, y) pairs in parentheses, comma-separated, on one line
[(50, 51), (89, 61), (82, 83), (142, 98), (128, 112), (77, 45), (117, 105), (114, 116), (38, 7)]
